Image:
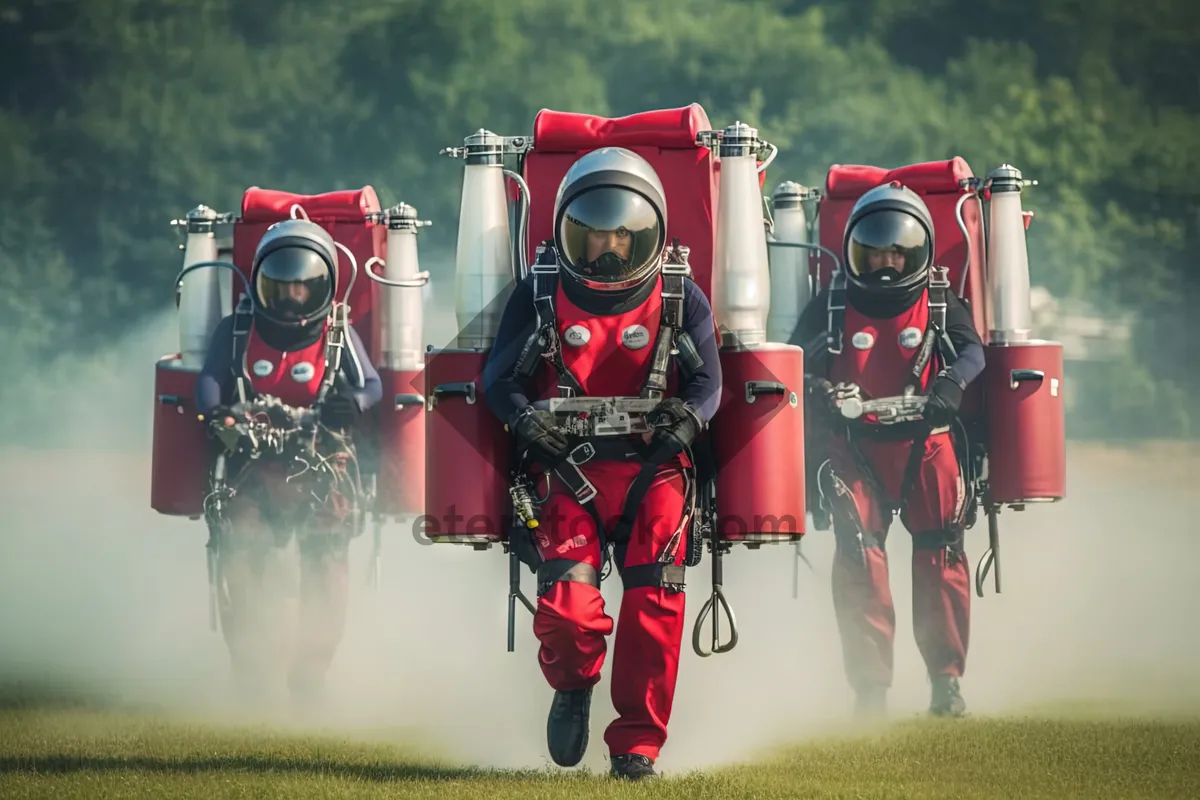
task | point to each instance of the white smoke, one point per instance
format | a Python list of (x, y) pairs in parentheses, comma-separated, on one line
[(100, 593)]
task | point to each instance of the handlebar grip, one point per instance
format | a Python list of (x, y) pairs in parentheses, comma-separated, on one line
[(756, 388), (466, 390), (1018, 375), (403, 400)]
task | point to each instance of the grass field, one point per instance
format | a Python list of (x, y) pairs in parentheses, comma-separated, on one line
[(82, 752), (98, 591)]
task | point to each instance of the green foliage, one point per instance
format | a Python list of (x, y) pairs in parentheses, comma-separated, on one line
[(119, 116)]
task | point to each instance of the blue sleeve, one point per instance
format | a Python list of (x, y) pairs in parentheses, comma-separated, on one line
[(961, 330), (809, 335), (813, 321), (701, 391), (368, 389), (505, 395), (213, 383)]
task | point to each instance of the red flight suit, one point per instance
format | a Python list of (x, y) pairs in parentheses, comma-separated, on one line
[(266, 509), (878, 355), (609, 356)]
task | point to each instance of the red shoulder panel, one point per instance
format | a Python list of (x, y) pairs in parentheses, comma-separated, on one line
[(568, 132), (851, 180), (932, 177), (271, 205)]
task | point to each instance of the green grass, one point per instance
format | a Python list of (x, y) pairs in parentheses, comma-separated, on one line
[(72, 750)]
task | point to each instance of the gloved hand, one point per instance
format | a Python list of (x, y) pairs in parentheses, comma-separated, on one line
[(536, 431), (675, 427), (222, 417), (945, 396), (827, 397), (339, 411), (821, 396)]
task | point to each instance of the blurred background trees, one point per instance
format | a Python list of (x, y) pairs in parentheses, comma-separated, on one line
[(119, 115)]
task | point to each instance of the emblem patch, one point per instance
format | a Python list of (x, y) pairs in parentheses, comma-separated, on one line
[(577, 335), (863, 340), (303, 372), (262, 368), (635, 337), (910, 338)]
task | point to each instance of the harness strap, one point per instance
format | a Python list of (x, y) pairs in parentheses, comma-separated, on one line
[(243, 321), (585, 494), (670, 335), (564, 569), (939, 286), (545, 286), (835, 309), (667, 341), (335, 343), (655, 575), (669, 329)]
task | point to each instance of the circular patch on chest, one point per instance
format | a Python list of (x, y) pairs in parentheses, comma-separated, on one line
[(577, 335), (303, 372), (635, 337), (863, 340), (262, 368), (910, 338)]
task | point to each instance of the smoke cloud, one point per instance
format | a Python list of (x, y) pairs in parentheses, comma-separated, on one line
[(100, 594)]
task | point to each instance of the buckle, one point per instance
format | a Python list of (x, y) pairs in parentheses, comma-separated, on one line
[(585, 493), (589, 452)]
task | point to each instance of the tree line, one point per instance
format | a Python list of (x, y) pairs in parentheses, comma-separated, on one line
[(119, 115)]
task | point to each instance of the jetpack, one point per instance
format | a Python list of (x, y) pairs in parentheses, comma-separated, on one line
[(752, 489), (1011, 430), (186, 478)]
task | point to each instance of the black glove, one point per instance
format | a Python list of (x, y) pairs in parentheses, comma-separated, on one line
[(536, 431), (675, 427), (945, 396), (339, 411), (217, 415), (821, 396)]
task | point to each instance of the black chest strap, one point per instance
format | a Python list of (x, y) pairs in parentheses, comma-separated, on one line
[(935, 340), (939, 286), (662, 571), (670, 340), (336, 341), (545, 289), (835, 309)]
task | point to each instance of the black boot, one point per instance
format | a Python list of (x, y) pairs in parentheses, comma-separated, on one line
[(947, 701), (632, 767), (567, 727), (871, 703)]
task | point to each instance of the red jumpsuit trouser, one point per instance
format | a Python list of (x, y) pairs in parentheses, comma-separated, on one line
[(257, 593), (932, 513), (571, 623)]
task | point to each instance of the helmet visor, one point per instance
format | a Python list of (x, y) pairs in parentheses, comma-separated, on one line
[(887, 246), (293, 284), (611, 237)]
